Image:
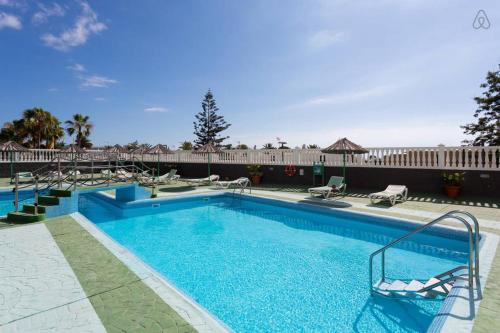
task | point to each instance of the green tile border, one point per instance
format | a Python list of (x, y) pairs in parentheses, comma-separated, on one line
[(121, 300)]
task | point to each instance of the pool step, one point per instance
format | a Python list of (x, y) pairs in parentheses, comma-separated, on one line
[(411, 289), (60, 193), (22, 217), (30, 209), (48, 200)]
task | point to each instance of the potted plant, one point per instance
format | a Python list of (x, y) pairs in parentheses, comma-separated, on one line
[(452, 183), (255, 172)]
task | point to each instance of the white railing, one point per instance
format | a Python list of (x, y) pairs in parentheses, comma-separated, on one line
[(452, 158)]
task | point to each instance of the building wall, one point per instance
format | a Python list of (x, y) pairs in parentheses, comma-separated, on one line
[(476, 183)]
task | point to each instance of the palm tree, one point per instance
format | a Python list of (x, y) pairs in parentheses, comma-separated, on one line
[(53, 132), (35, 123), (82, 127)]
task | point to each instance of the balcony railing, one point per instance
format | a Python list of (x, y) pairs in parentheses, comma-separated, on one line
[(452, 158)]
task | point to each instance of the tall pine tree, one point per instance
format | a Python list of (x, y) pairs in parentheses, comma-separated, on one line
[(487, 128), (209, 124)]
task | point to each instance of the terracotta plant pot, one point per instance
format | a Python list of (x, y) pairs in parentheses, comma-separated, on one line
[(256, 180), (452, 191)]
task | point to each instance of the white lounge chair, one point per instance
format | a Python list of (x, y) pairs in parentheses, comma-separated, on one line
[(202, 181), (78, 174), (106, 173), (240, 183), (25, 176), (124, 175), (392, 193), (164, 179), (335, 184)]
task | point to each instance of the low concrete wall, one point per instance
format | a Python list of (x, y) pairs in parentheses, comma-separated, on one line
[(476, 183)]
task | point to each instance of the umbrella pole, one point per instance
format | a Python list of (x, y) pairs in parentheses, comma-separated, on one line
[(158, 173), (343, 174), (209, 167)]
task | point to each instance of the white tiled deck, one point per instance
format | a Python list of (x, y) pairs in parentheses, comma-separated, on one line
[(39, 291)]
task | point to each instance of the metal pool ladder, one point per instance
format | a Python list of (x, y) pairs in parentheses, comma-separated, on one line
[(440, 284)]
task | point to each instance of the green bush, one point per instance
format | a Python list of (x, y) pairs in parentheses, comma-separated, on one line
[(255, 170), (453, 178)]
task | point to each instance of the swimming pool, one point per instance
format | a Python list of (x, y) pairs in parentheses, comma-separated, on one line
[(264, 266), (7, 200)]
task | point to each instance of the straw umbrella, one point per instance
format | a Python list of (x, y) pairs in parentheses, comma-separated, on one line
[(11, 147), (344, 147), (158, 150), (208, 148)]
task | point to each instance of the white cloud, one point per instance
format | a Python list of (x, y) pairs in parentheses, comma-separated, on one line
[(52, 90), (157, 109), (345, 97), (10, 3), (10, 21), (96, 81), (45, 12), (77, 68), (86, 24), (325, 38), (100, 99)]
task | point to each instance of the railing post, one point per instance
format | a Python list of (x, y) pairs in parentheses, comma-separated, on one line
[(383, 266), (59, 184), (16, 193), (441, 164), (91, 169), (109, 170), (36, 195)]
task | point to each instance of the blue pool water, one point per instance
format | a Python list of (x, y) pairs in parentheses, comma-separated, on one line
[(7, 200), (260, 266)]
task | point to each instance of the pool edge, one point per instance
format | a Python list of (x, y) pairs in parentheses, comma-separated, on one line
[(191, 311)]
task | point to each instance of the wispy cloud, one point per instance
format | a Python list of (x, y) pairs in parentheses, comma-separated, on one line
[(86, 24), (325, 38), (52, 90), (45, 12), (77, 67), (100, 99), (96, 81), (344, 97), (157, 109), (11, 3), (10, 21)]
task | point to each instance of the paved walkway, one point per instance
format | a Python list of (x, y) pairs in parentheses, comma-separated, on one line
[(38, 290)]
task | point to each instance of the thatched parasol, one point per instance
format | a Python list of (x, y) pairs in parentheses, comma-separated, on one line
[(11, 147), (73, 149), (208, 148), (344, 147), (158, 150), (116, 149)]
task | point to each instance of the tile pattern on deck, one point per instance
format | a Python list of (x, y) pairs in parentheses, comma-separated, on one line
[(38, 290), (121, 298)]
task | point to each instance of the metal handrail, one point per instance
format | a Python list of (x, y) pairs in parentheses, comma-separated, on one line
[(71, 177), (473, 262)]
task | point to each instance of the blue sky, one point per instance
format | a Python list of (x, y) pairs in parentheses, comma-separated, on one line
[(383, 73)]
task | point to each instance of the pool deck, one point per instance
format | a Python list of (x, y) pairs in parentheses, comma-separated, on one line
[(70, 280)]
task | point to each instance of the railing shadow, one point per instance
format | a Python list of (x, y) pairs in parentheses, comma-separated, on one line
[(409, 316)]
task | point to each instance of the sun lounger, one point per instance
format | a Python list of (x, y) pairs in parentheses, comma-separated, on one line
[(165, 179), (106, 173), (240, 183), (78, 175), (124, 175), (335, 184), (202, 181), (25, 176), (392, 193)]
